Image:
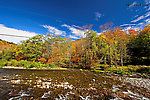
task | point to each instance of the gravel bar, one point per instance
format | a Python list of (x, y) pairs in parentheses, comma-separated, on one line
[(139, 82)]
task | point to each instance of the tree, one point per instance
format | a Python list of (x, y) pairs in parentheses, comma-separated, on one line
[(30, 49), (106, 28), (139, 47), (112, 44), (49, 43)]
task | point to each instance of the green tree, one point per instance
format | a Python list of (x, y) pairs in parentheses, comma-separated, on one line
[(139, 47), (31, 49)]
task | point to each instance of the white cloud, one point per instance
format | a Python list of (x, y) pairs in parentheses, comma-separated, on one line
[(131, 27), (140, 23), (142, 19), (126, 29), (128, 25), (75, 31), (73, 37), (136, 15), (77, 26), (133, 4), (147, 14), (147, 20), (14, 32), (54, 30), (136, 28), (147, 2), (99, 33), (144, 16), (139, 18), (98, 15)]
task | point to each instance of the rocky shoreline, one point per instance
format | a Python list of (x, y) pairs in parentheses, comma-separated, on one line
[(139, 82)]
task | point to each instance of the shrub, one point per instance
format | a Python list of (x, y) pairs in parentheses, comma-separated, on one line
[(52, 65), (139, 74), (33, 64), (22, 63), (143, 70), (42, 60), (14, 62), (8, 63), (25, 63), (62, 64), (44, 65), (3, 62), (101, 66)]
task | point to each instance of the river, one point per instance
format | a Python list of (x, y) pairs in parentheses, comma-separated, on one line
[(23, 84)]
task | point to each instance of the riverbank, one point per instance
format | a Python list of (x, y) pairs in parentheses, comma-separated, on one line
[(130, 70), (34, 68)]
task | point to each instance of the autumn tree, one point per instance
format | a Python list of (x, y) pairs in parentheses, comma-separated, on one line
[(106, 29), (6, 50), (113, 44)]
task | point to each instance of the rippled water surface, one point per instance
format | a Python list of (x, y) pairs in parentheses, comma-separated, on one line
[(67, 84)]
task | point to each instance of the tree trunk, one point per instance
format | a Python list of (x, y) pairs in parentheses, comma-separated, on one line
[(121, 59)]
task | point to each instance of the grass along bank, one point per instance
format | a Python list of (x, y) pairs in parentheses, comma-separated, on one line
[(143, 71), (23, 64)]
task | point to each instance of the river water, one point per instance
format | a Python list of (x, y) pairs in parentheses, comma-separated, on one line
[(66, 84)]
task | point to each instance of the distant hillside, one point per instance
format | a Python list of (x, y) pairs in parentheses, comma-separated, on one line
[(5, 45)]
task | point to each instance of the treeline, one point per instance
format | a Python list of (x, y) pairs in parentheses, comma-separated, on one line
[(5, 45), (112, 47)]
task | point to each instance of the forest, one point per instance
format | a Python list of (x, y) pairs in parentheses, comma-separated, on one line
[(114, 47), (114, 65)]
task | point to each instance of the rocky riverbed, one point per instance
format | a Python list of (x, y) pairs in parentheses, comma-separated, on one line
[(70, 84), (139, 82)]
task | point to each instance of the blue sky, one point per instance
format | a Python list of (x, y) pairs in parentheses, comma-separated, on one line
[(63, 17)]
